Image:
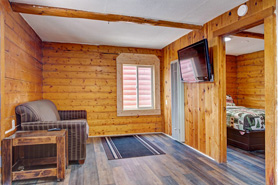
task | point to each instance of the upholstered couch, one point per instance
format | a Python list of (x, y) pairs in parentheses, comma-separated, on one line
[(43, 115)]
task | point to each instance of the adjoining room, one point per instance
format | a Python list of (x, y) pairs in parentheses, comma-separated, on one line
[(245, 99)]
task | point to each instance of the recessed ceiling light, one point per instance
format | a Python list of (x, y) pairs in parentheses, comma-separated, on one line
[(227, 39)]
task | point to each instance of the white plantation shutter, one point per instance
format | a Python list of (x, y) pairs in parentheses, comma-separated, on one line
[(129, 87), (145, 86), (137, 87)]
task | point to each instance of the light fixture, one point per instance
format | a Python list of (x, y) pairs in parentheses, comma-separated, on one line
[(242, 10), (227, 39)]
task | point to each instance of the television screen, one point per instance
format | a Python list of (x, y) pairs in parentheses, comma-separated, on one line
[(194, 62)]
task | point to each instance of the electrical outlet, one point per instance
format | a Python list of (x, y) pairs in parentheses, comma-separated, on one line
[(13, 123), (13, 127)]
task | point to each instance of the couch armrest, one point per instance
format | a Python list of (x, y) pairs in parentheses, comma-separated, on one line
[(77, 134), (56, 124), (72, 114), (79, 126)]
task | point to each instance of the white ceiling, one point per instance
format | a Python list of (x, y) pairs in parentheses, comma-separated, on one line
[(243, 45), (84, 31), (57, 29), (188, 11), (257, 29)]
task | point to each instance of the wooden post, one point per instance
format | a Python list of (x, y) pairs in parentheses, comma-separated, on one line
[(61, 158), (7, 162), (221, 57), (2, 72), (270, 100), (67, 149)]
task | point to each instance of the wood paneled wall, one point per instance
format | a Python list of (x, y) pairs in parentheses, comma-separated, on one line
[(83, 77), (205, 102), (251, 80), (21, 65), (231, 76), (245, 79)]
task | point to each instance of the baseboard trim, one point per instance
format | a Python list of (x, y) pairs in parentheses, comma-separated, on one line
[(129, 134), (205, 155)]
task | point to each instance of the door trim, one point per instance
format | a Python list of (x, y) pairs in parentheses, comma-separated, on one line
[(180, 89)]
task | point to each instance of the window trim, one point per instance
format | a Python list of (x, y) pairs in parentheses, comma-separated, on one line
[(139, 60)]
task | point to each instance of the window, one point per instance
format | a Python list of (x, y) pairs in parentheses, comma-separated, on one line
[(138, 85)]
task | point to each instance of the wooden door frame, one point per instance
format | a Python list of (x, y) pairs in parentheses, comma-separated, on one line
[(270, 56), (2, 73)]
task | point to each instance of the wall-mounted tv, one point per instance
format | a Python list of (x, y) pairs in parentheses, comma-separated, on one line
[(194, 63)]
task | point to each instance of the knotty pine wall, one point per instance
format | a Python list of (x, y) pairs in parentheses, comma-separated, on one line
[(21, 65), (251, 80), (83, 77), (231, 77), (204, 102), (246, 79)]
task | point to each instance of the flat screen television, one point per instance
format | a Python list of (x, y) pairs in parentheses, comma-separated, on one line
[(194, 63)]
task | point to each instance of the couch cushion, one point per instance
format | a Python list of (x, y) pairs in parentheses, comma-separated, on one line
[(42, 110)]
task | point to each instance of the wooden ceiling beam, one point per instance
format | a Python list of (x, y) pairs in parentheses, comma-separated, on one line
[(70, 13), (245, 22), (250, 35)]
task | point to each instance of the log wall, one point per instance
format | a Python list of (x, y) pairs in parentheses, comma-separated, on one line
[(83, 77), (246, 79), (231, 77), (21, 64), (251, 80)]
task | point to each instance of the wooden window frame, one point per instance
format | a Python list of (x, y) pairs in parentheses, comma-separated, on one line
[(138, 60)]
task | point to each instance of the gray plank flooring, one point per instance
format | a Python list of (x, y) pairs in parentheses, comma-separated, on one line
[(180, 165)]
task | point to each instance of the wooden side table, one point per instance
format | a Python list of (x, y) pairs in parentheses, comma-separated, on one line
[(12, 157)]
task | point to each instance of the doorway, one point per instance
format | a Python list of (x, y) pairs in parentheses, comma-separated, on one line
[(177, 103), (245, 101)]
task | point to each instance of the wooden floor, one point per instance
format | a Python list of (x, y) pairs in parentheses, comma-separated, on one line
[(180, 165)]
